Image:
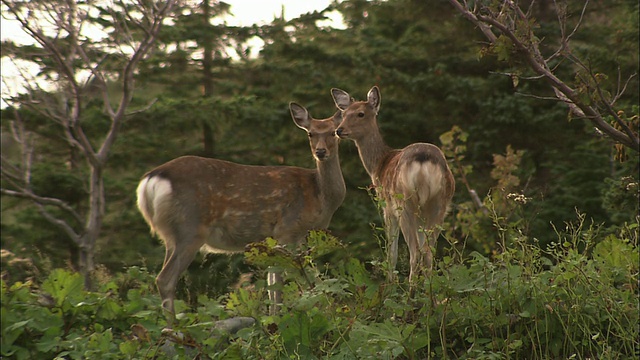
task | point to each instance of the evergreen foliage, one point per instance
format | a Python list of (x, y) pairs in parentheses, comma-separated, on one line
[(518, 276)]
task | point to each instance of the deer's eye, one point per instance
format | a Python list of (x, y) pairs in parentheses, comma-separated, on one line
[(361, 114)]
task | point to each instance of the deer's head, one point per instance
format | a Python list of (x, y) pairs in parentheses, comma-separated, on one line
[(322, 132), (358, 117)]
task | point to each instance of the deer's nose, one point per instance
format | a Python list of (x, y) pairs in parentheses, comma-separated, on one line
[(339, 132), (321, 153)]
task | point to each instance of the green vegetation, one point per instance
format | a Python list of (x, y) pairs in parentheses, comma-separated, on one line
[(538, 257), (576, 300)]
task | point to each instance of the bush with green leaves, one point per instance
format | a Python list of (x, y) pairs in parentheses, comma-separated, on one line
[(578, 299), (58, 319)]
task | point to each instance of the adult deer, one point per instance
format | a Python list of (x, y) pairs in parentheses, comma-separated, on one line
[(193, 202), (414, 183)]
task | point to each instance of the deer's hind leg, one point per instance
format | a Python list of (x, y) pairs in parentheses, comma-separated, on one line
[(181, 249), (409, 226), (392, 232), (432, 218)]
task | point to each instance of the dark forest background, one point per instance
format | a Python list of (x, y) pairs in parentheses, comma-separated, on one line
[(439, 84), (538, 258)]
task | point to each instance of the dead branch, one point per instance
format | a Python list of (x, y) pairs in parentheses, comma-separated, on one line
[(57, 29), (41, 200), (513, 23)]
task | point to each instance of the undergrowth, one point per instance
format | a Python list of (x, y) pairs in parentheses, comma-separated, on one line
[(577, 299), (496, 292)]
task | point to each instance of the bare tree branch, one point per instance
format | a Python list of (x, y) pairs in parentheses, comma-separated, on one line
[(26, 194), (149, 105), (71, 233), (76, 65), (512, 23), (463, 9), (158, 15)]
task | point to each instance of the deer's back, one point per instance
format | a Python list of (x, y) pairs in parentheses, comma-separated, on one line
[(232, 205)]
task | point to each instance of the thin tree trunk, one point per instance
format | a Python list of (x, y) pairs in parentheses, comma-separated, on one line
[(207, 79), (94, 224)]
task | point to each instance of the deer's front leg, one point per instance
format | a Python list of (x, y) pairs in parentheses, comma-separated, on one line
[(275, 295), (392, 231)]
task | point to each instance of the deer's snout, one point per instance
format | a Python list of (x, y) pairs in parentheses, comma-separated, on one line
[(321, 153), (339, 132)]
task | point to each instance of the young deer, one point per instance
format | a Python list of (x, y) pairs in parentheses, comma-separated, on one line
[(193, 202), (414, 183)]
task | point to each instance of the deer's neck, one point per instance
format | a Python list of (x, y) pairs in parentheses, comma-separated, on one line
[(331, 181), (373, 151)]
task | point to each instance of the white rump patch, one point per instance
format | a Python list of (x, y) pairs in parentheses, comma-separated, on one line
[(424, 179), (152, 191)]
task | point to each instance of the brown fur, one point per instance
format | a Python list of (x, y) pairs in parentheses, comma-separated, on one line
[(415, 183), (197, 203)]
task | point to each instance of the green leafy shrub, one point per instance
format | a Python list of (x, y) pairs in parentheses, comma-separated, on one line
[(58, 319), (576, 299)]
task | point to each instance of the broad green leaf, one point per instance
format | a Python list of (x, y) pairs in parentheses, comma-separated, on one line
[(64, 286)]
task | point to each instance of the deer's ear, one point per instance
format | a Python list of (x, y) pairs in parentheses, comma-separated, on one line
[(373, 98), (341, 98), (337, 118), (300, 116)]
